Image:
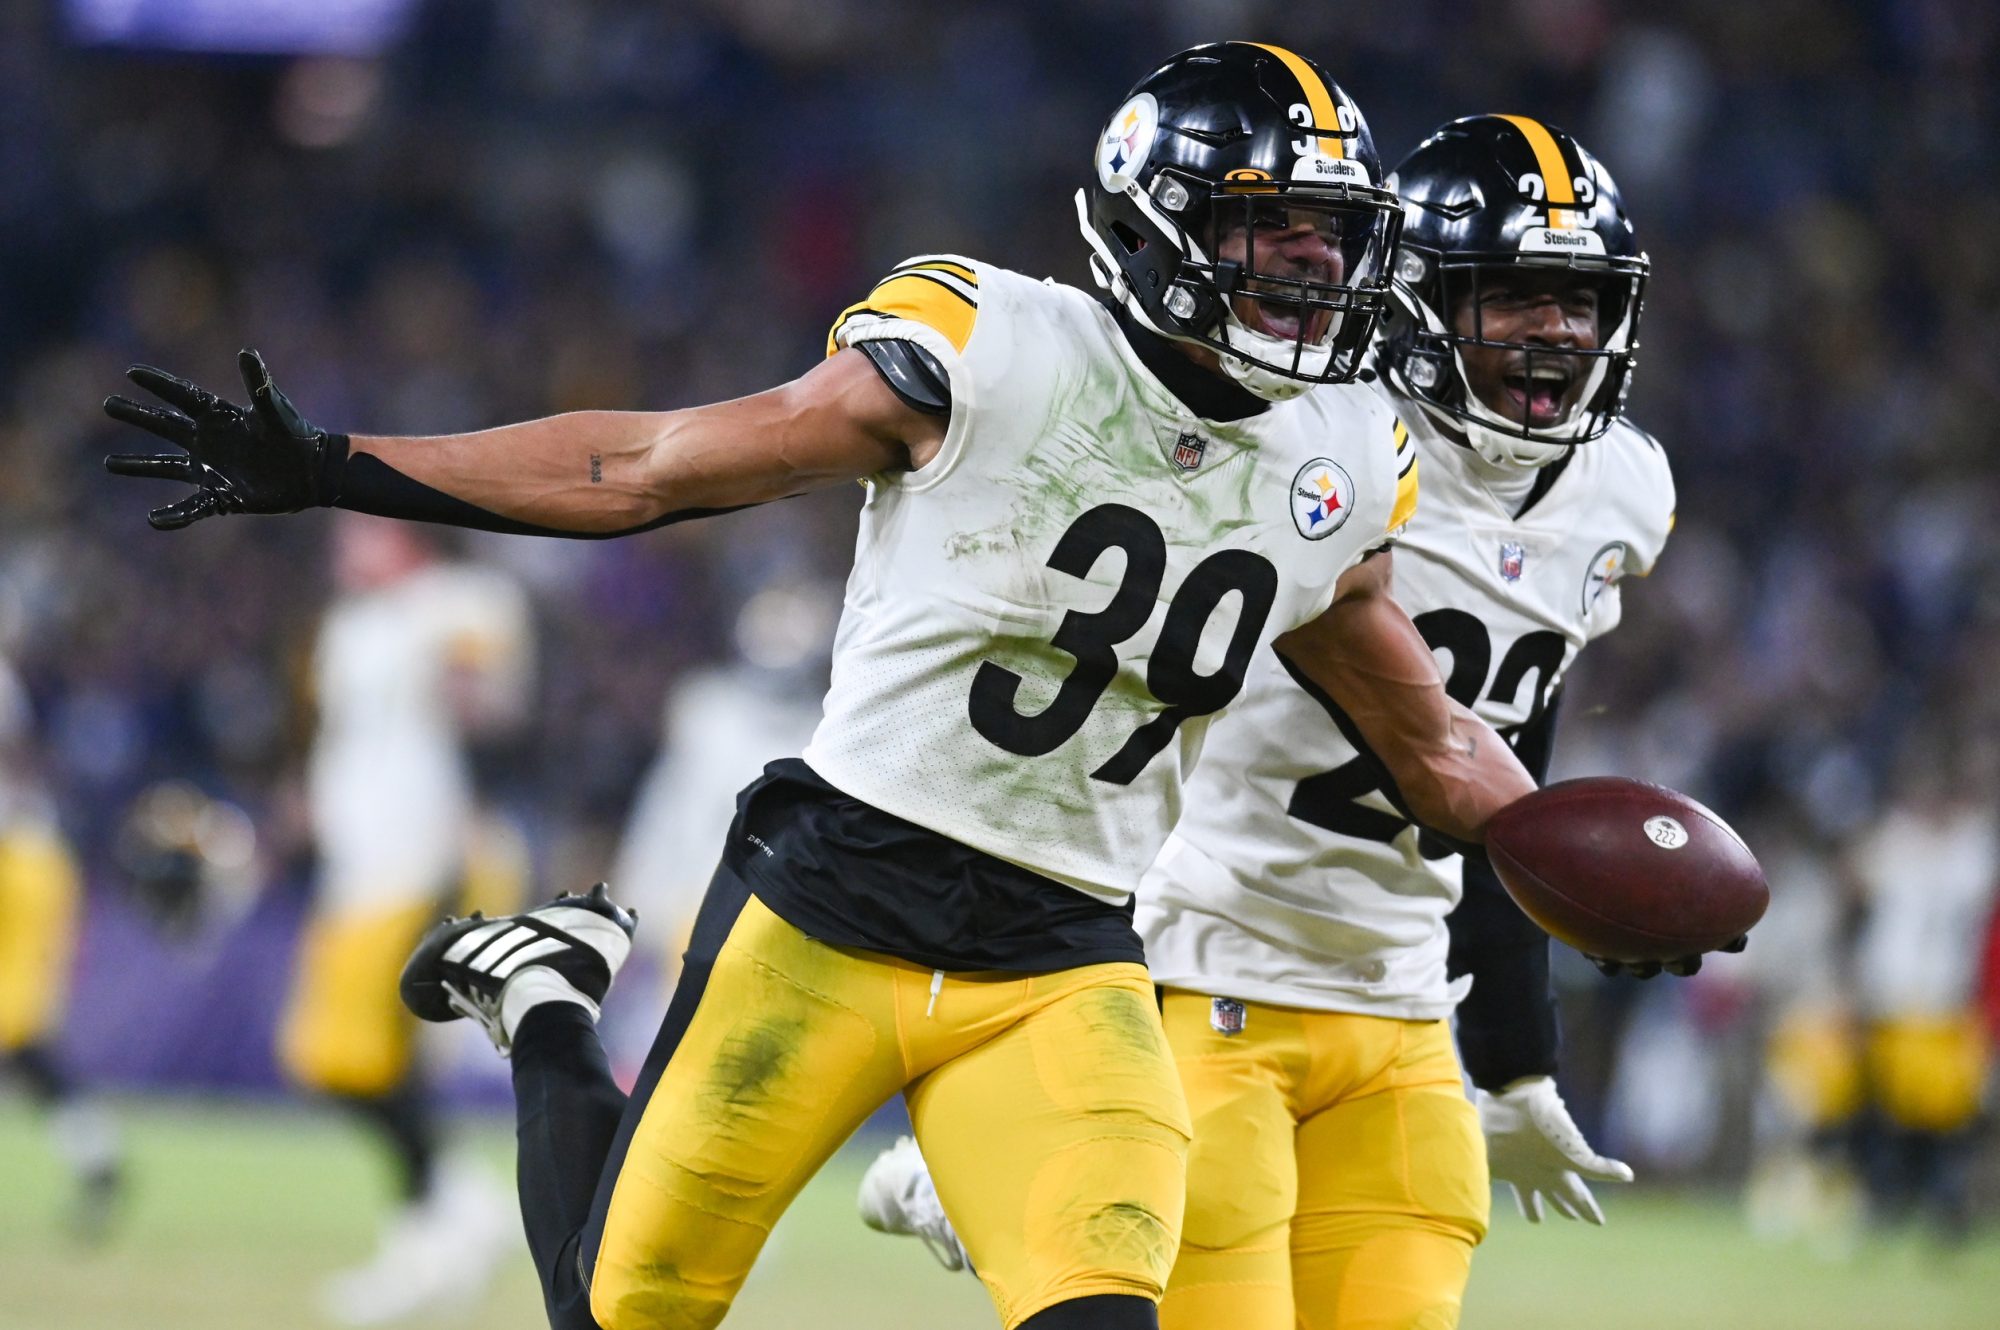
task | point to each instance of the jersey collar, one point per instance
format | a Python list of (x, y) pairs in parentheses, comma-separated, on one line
[(1208, 395), (1545, 476)]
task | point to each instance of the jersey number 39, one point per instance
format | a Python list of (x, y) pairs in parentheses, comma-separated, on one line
[(1093, 638)]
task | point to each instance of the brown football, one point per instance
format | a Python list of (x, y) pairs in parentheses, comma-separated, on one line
[(1625, 870)]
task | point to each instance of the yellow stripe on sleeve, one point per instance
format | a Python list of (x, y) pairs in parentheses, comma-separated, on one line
[(933, 302), (1549, 161), (1406, 498), (1318, 98), (833, 333), (941, 265)]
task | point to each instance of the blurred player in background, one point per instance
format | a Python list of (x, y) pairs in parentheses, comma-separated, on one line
[(417, 658), (41, 897), (1928, 871), (717, 730), (1310, 941), (1802, 1181)]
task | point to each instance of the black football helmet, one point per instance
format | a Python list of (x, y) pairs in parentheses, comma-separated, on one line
[(1241, 171), (1496, 192), (188, 860)]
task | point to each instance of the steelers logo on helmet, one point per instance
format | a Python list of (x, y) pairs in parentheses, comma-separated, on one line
[(1127, 142), (1322, 498)]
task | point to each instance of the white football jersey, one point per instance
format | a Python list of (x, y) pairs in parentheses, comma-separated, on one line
[(1929, 875), (1292, 879), (391, 797), (24, 803), (1042, 619)]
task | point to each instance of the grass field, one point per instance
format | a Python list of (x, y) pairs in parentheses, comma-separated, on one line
[(236, 1211)]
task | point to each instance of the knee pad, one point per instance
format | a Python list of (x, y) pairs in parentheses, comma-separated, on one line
[(1381, 1271)]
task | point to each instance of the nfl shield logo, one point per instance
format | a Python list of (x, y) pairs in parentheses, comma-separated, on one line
[(1226, 1015), (1512, 556), (1188, 449)]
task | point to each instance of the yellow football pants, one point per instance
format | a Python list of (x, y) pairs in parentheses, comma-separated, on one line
[(345, 1030), (1337, 1179), (1928, 1073), (1046, 1104), (1813, 1060), (38, 910)]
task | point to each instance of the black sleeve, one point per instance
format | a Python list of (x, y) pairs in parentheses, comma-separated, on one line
[(364, 483), (1507, 1026), (911, 372)]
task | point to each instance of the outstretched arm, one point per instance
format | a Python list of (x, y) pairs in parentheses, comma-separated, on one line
[(588, 473), (1452, 770)]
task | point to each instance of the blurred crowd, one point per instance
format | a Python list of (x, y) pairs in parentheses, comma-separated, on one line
[(520, 208)]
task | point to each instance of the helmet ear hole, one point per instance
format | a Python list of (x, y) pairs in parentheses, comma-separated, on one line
[(1126, 236)]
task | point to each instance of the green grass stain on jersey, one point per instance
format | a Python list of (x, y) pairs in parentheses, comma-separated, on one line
[(1103, 442)]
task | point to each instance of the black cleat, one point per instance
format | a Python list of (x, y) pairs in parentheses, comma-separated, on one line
[(462, 966)]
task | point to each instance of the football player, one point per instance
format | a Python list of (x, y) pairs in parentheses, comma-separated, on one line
[(1928, 869), (1310, 941), (1084, 521), (40, 899), (418, 657), (717, 729)]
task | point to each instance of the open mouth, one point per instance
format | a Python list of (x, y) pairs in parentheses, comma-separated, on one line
[(1278, 320), (1283, 319), (1539, 391)]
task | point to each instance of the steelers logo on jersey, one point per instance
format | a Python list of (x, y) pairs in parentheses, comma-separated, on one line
[(1606, 567), (1322, 497)]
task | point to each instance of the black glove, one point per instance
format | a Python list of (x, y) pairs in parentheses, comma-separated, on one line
[(264, 458), (1681, 965)]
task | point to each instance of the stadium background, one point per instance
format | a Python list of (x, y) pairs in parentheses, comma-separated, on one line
[(449, 214)]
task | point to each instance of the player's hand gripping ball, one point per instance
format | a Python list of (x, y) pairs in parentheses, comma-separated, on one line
[(1637, 877)]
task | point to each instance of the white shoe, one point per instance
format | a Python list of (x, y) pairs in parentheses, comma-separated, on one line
[(436, 1256), (897, 1196)]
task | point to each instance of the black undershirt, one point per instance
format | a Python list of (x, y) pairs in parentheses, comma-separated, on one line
[(1202, 391), (848, 873), (1508, 1024)]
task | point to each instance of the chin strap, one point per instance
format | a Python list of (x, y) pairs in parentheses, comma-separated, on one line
[(1265, 382), (1511, 449)]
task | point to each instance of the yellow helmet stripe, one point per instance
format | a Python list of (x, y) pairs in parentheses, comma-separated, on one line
[(1555, 173), (1561, 194), (1318, 98)]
